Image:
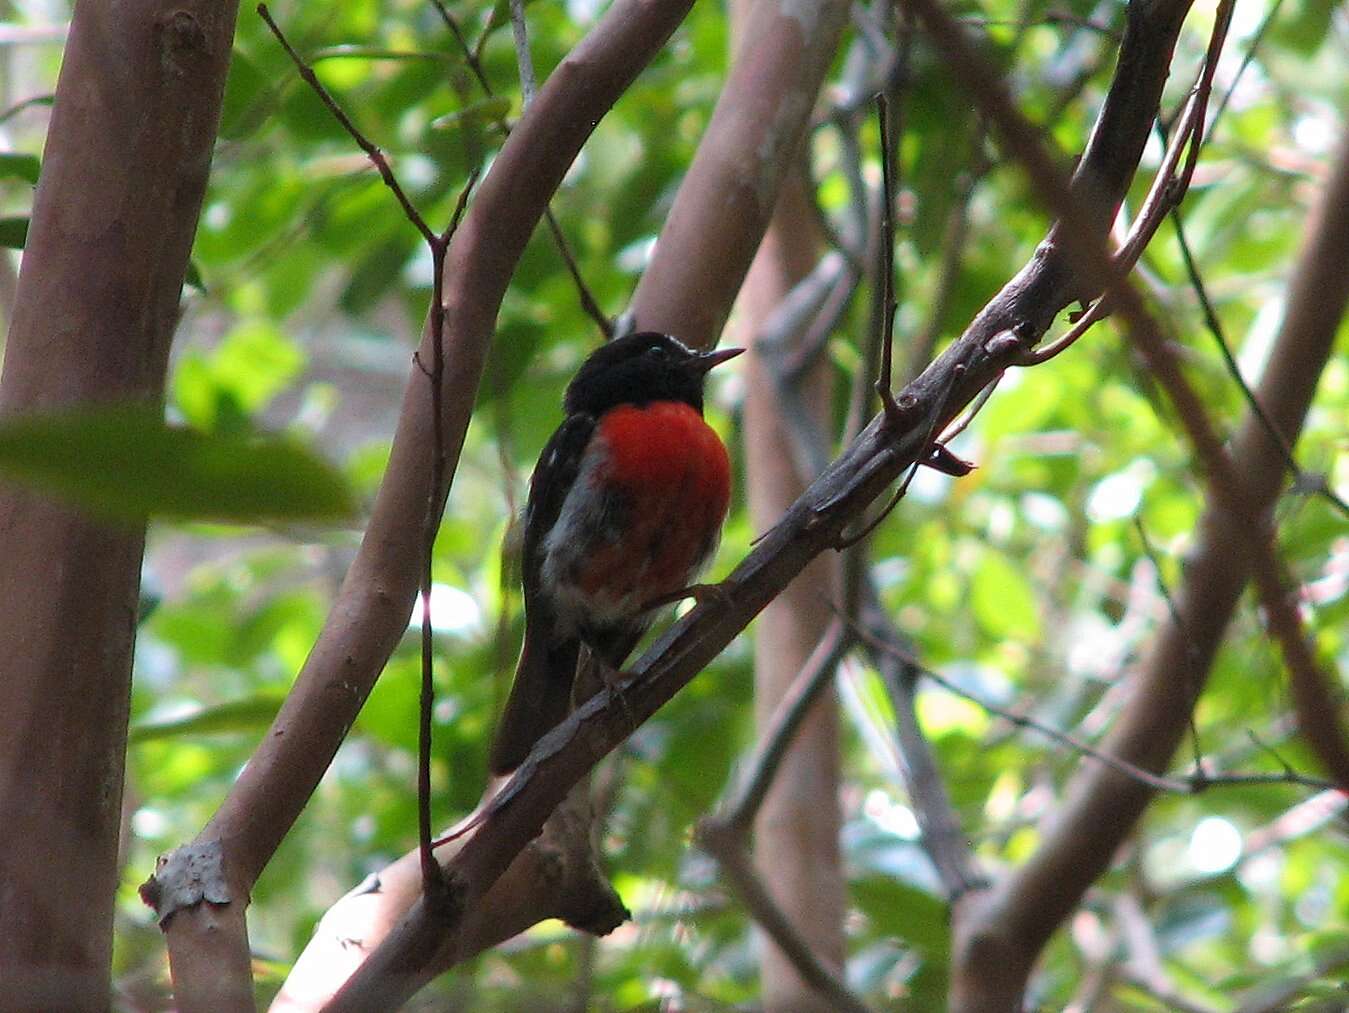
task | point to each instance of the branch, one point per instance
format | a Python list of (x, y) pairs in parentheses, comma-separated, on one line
[(736, 813), (688, 287), (1008, 927), (435, 373), (1192, 784), (98, 298), (370, 614), (942, 837), (554, 877), (728, 848)]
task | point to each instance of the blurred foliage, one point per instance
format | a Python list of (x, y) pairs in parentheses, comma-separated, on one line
[(1026, 582)]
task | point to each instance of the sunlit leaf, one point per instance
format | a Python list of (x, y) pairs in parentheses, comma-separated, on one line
[(1003, 600), (246, 715)]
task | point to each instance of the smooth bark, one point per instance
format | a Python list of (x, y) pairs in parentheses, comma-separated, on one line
[(123, 176)]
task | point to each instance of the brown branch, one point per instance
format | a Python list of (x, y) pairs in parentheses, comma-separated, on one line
[(98, 298), (370, 614), (1225, 481), (690, 292), (736, 813), (942, 837), (1006, 929), (1302, 481), (555, 876), (728, 848)]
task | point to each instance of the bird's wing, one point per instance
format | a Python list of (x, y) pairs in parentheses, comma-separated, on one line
[(541, 694), (553, 478)]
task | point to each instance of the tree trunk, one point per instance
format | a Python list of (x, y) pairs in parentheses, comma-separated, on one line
[(124, 172), (797, 830)]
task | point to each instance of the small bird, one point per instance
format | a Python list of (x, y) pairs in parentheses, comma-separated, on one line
[(625, 507)]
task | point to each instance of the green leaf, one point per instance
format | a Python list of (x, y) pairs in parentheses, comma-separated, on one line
[(248, 93), (15, 165), (14, 232), (125, 462), (1003, 600), (483, 112), (247, 714)]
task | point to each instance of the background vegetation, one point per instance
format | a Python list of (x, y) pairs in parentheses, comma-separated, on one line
[(1034, 583)]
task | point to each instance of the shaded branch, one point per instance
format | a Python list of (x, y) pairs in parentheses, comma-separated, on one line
[(370, 614), (1006, 929), (737, 811), (728, 848)]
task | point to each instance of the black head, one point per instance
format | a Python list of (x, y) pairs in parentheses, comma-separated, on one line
[(641, 368)]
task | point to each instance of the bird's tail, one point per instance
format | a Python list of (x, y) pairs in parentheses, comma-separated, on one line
[(540, 699)]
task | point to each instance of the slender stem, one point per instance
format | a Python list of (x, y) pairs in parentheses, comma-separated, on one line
[(887, 258), (371, 150)]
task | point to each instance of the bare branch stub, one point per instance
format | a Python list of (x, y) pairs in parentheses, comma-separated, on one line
[(886, 270)]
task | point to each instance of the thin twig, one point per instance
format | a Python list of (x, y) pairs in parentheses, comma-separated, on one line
[(954, 241), (1246, 59), (432, 880), (737, 812), (730, 854), (588, 302), (1191, 675), (887, 260), (1302, 480), (433, 884), (470, 56), (942, 837), (372, 151), (1165, 194), (848, 540), (1192, 784), (976, 406)]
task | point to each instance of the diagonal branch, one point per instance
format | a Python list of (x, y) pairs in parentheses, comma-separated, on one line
[(370, 614), (1006, 929)]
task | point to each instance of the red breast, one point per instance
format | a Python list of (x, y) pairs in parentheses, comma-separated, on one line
[(672, 468)]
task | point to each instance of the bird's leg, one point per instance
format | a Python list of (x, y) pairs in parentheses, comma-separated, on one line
[(593, 674), (701, 593)]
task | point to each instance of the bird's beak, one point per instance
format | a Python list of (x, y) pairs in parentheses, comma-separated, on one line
[(704, 361)]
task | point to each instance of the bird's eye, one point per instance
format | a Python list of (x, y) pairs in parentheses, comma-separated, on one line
[(658, 352)]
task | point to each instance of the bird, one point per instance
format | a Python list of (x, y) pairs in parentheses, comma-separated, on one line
[(625, 508)]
